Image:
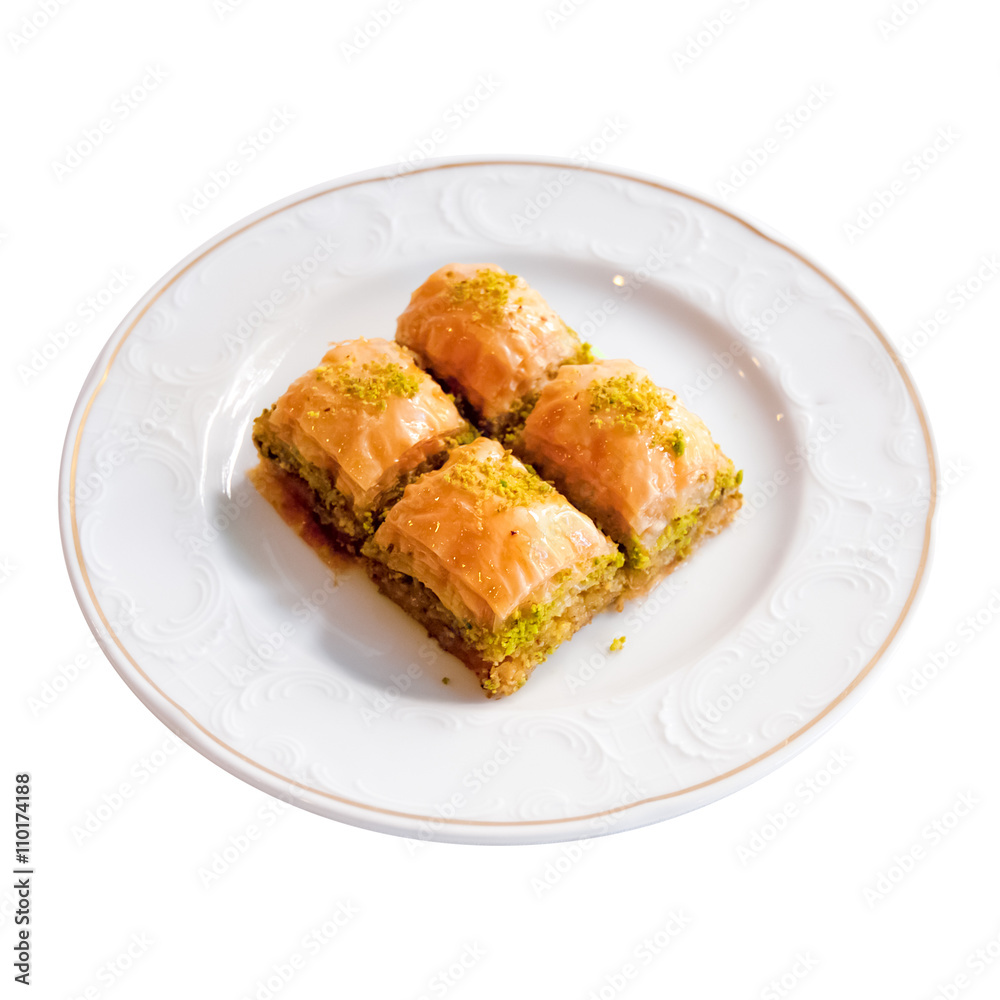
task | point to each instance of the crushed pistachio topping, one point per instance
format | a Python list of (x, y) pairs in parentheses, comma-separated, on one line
[(445, 680), (638, 405), (585, 354), (617, 644), (506, 480), (679, 535), (488, 292), (371, 383), (726, 479), (629, 398), (526, 625), (638, 557), (466, 435)]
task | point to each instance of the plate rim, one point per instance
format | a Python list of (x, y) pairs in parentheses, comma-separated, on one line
[(366, 815)]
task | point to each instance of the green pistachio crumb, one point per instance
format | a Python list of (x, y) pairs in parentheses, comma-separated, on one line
[(488, 292), (638, 405), (368, 523), (526, 626), (725, 479), (467, 435), (372, 382), (445, 680), (506, 481), (679, 535), (638, 557)]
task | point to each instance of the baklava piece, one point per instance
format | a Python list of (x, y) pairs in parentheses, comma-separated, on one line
[(628, 454), (494, 563), (490, 338), (351, 433)]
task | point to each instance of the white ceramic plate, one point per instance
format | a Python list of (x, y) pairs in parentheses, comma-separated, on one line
[(319, 690)]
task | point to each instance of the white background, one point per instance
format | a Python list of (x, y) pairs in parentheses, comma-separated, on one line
[(803, 915)]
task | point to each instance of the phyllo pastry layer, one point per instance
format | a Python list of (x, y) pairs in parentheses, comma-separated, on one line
[(494, 562), (357, 427), (490, 337), (630, 455)]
